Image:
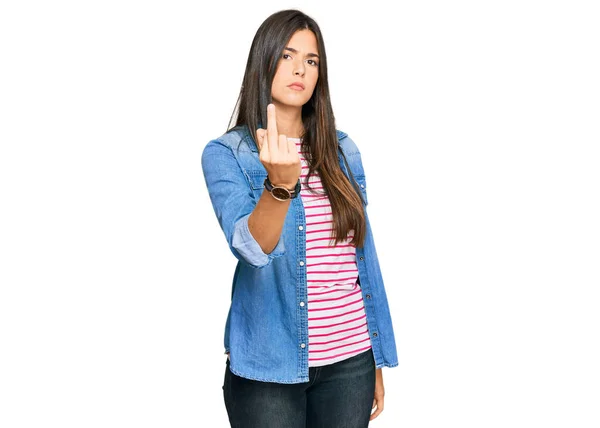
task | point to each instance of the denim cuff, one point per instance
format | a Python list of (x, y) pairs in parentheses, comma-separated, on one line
[(247, 247)]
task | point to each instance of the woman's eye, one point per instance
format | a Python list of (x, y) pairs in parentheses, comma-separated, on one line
[(311, 61)]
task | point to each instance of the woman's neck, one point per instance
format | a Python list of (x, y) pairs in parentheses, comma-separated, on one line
[(289, 120)]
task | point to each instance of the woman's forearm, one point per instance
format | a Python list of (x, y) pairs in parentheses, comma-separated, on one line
[(266, 221)]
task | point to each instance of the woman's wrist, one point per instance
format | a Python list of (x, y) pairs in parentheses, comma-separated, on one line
[(287, 185)]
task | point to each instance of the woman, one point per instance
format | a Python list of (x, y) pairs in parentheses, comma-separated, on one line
[(309, 329)]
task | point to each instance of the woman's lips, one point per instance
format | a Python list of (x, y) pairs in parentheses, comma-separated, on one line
[(296, 87)]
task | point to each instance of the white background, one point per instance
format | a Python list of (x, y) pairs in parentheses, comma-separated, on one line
[(478, 123)]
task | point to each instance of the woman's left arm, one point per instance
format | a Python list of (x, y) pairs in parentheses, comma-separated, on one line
[(379, 393)]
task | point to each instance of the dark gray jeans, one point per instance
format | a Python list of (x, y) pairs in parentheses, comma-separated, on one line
[(338, 395)]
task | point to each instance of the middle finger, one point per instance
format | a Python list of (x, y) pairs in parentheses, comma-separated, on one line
[(272, 133)]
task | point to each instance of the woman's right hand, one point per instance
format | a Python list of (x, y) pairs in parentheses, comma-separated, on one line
[(278, 155)]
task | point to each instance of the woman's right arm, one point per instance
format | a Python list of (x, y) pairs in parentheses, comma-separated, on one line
[(233, 204), (266, 221), (280, 158), (253, 231)]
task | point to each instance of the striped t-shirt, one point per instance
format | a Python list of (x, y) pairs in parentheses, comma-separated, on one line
[(337, 323)]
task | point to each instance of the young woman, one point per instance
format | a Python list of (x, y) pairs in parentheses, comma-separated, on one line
[(309, 328)]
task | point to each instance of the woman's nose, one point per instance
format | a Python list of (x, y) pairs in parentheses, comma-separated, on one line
[(299, 69)]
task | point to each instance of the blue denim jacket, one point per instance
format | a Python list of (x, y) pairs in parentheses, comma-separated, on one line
[(266, 332)]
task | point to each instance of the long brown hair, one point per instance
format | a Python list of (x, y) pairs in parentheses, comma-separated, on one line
[(319, 140)]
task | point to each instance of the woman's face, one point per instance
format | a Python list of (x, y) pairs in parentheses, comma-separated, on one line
[(298, 63)]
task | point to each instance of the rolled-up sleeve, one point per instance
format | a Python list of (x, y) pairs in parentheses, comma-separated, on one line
[(233, 202), (245, 244)]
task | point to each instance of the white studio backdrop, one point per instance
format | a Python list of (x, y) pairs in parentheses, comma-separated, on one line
[(478, 127)]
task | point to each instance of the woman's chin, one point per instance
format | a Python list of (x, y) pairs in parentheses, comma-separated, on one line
[(295, 102)]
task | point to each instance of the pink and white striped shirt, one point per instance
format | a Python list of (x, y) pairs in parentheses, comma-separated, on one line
[(337, 323)]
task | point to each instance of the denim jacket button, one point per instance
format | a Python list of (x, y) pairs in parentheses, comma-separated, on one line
[(302, 304), (368, 296), (302, 345), (300, 228), (362, 258), (301, 263), (375, 334)]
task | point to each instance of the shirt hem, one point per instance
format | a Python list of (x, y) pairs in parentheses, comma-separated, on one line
[(390, 365), (298, 380)]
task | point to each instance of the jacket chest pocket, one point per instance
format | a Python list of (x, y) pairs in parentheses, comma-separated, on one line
[(256, 178)]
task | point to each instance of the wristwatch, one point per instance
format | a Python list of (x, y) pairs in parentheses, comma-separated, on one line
[(281, 193)]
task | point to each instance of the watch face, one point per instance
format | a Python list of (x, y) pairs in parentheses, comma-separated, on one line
[(280, 193)]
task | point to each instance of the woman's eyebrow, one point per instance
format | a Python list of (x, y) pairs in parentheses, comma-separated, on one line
[(295, 51)]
